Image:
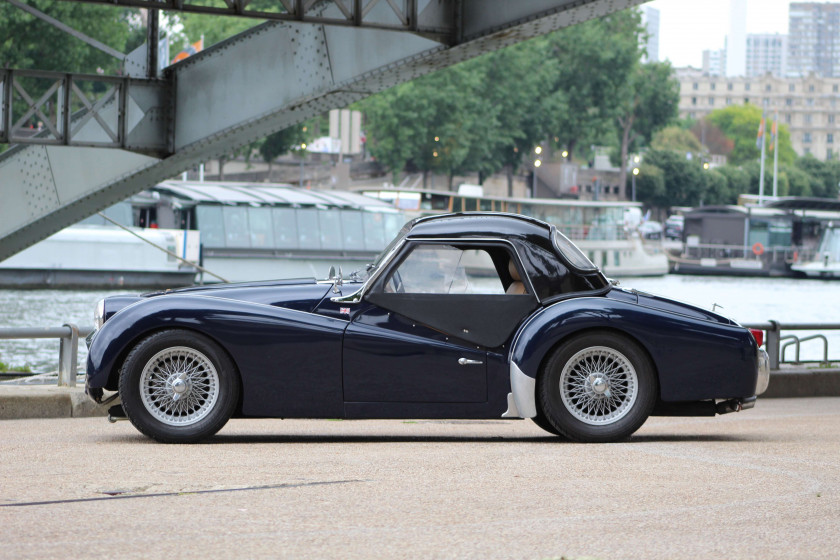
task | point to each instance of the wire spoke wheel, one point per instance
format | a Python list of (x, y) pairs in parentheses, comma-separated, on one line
[(598, 385), (179, 386)]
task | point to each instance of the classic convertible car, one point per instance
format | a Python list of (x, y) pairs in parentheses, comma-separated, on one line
[(474, 315)]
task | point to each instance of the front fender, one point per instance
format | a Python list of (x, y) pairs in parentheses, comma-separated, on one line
[(695, 359), (247, 331)]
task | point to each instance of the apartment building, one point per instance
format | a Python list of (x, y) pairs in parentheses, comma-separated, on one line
[(814, 39), (807, 106)]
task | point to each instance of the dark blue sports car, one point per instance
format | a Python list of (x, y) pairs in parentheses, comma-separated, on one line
[(473, 315)]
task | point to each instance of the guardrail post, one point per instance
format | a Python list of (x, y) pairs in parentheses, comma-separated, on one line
[(773, 343), (68, 355)]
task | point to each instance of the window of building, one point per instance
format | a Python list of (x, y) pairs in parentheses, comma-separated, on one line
[(768, 87), (694, 101), (806, 150), (808, 119), (746, 87), (792, 87), (729, 101), (811, 88), (809, 101), (746, 100), (695, 85), (806, 137), (835, 88), (789, 101), (729, 86), (711, 100), (829, 154), (830, 119), (788, 118), (712, 86), (766, 101), (829, 138)]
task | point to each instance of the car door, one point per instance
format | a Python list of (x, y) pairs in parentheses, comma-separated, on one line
[(428, 320)]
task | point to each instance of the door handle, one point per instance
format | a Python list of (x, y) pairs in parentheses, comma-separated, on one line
[(466, 362)]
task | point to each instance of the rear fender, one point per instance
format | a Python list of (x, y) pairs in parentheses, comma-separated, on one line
[(694, 359)]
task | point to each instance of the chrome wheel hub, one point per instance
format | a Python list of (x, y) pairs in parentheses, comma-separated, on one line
[(179, 386), (598, 385)]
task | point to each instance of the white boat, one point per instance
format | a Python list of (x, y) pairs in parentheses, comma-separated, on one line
[(599, 228), (95, 254), (826, 261)]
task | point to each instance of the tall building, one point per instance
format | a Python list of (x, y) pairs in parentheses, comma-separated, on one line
[(714, 62), (809, 107), (650, 19), (814, 39), (736, 43), (766, 53)]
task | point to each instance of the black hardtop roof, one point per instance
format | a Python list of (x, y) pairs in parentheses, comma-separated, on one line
[(470, 224)]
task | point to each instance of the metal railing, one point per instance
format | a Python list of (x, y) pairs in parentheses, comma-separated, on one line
[(777, 350), (68, 352)]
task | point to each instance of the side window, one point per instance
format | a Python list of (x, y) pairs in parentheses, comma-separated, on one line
[(445, 269)]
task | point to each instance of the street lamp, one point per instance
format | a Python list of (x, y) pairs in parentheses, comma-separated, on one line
[(537, 163), (635, 172), (302, 158)]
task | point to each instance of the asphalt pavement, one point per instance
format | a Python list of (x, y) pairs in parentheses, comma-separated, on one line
[(763, 483)]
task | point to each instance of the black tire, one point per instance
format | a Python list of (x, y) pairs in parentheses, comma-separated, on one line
[(541, 421), (178, 386), (597, 387)]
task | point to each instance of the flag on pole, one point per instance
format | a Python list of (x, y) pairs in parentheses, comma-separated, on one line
[(198, 46), (773, 133), (760, 138)]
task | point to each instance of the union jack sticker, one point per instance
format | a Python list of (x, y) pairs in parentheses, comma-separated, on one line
[(344, 310)]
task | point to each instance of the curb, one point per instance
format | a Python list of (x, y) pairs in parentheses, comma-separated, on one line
[(19, 402)]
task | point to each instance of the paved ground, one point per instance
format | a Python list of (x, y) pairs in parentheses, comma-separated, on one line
[(760, 484)]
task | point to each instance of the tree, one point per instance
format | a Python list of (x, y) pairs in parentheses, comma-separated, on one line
[(29, 42), (676, 139), (825, 173), (740, 124), (647, 105), (684, 183), (595, 61)]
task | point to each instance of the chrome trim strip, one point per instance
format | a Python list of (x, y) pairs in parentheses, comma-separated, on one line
[(524, 392), (356, 296)]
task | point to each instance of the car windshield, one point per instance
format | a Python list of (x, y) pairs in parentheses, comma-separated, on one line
[(362, 274), (569, 250)]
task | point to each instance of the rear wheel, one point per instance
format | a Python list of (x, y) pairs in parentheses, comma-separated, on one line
[(178, 387), (597, 387)]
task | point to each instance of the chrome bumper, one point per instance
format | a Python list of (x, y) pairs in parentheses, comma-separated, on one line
[(763, 372)]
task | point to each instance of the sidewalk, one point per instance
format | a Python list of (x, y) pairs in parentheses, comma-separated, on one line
[(50, 401)]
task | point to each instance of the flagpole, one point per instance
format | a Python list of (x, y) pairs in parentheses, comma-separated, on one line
[(775, 135), (761, 174)]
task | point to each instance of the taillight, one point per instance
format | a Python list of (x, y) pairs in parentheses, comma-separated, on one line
[(758, 335)]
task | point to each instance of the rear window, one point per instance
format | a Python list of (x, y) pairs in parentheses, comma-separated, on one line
[(570, 251)]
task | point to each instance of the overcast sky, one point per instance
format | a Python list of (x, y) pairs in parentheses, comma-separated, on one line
[(688, 27)]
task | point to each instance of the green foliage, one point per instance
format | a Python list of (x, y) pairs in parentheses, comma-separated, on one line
[(684, 181), (283, 141), (826, 175), (30, 43), (676, 139), (740, 124), (716, 189), (4, 367), (650, 186)]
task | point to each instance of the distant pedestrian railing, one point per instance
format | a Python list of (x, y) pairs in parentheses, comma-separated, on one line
[(68, 352), (777, 345)]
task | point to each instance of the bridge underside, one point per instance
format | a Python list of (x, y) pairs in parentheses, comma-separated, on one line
[(95, 152)]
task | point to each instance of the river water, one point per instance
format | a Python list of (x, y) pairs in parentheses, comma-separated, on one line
[(747, 300)]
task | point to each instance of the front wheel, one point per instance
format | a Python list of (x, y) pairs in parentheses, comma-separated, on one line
[(178, 387), (597, 387)]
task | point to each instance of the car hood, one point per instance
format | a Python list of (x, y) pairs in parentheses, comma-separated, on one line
[(301, 294)]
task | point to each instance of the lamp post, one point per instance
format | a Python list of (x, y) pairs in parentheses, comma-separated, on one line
[(635, 172), (302, 159), (537, 163)]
